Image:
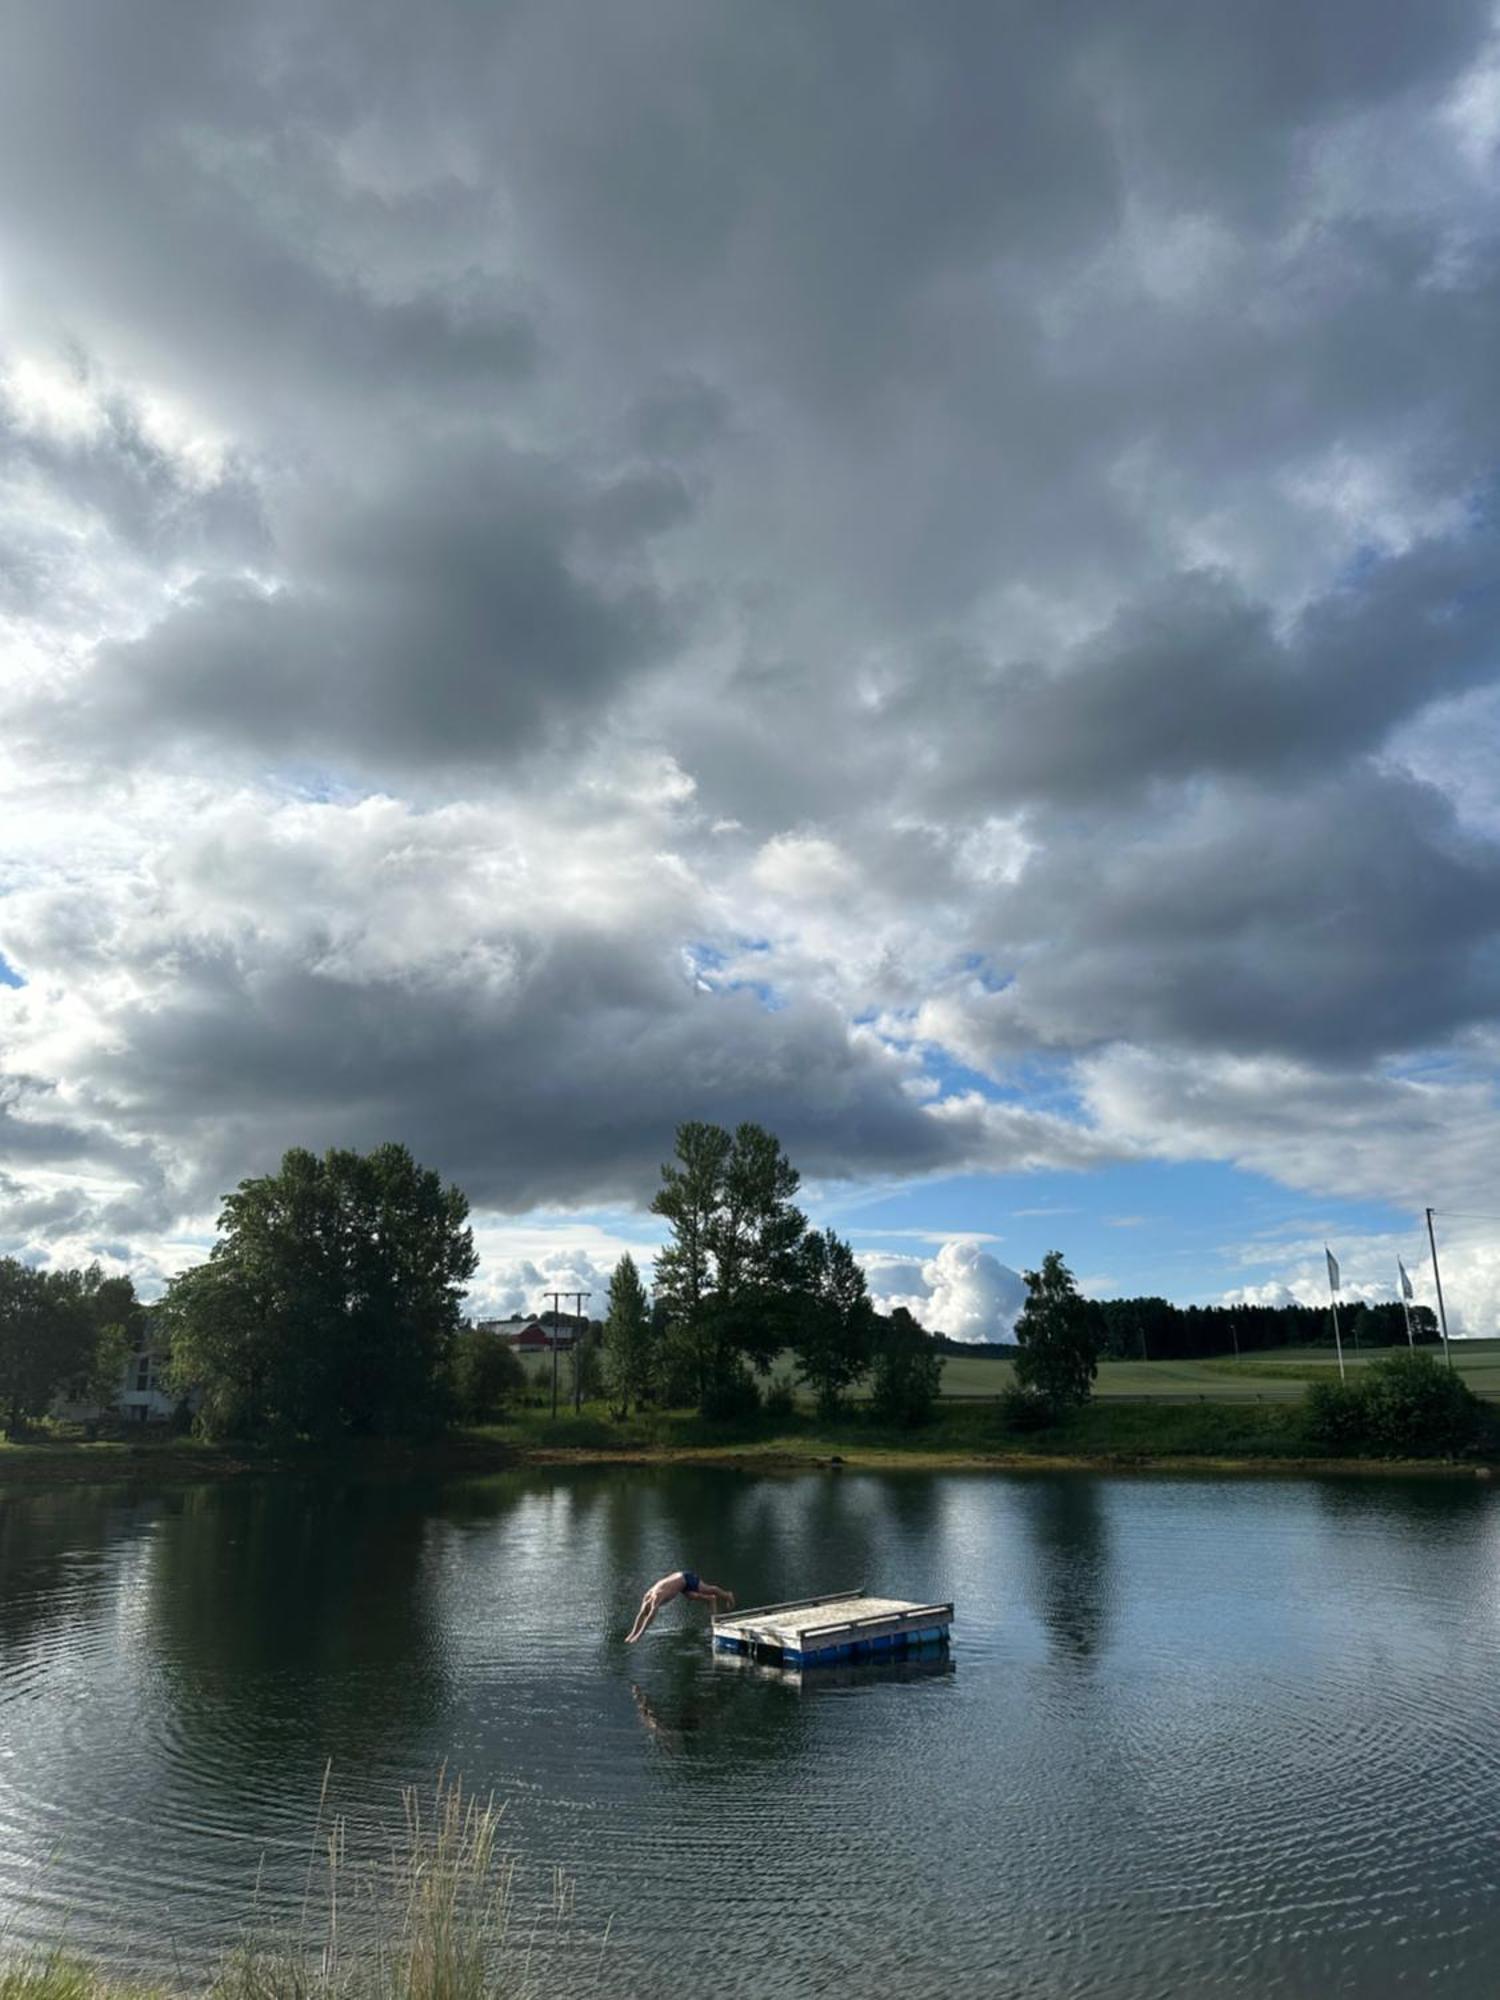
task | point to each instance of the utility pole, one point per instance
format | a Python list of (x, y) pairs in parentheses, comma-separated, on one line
[(578, 1299), (1438, 1281), (556, 1309)]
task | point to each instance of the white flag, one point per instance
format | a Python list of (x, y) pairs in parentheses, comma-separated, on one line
[(1333, 1269), (1406, 1290)]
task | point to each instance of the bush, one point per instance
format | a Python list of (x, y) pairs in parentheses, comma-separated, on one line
[(732, 1397), (1024, 1409), (781, 1398), (908, 1374), (1406, 1406), (486, 1374)]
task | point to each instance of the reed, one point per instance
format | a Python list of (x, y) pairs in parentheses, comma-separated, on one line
[(437, 1917)]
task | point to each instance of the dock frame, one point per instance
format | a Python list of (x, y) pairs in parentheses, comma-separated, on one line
[(844, 1625)]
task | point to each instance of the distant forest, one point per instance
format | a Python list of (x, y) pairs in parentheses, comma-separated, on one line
[(1156, 1330)]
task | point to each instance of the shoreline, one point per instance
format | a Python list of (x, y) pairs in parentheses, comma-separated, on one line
[(42, 1467)]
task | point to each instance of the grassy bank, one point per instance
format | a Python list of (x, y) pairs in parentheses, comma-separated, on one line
[(1267, 1435), (1248, 1430), (435, 1915)]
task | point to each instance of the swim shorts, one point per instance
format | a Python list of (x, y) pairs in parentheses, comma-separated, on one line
[(689, 1581)]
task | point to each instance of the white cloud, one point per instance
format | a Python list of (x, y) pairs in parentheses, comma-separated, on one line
[(963, 1291)]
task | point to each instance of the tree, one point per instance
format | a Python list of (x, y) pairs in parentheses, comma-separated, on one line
[(729, 1273), (627, 1339), (586, 1361), (908, 1372), (835, 1320), (487, 1374), (689, 1199), (52, 1335), (1059, 1335), (330, 1301)]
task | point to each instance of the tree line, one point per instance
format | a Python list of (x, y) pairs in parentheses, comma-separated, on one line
[(1151, 1329), (331, 1305)]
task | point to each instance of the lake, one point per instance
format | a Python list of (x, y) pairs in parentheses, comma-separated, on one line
[(1193, 1736)]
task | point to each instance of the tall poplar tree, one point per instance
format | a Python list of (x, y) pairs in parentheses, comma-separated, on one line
[(627, 1338)]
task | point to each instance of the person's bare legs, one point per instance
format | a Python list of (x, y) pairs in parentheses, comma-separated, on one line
[(711, 1593)]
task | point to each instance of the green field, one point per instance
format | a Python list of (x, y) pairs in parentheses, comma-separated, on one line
[(1278, 1376)]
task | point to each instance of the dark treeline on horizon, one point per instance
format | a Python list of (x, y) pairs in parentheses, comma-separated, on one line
[(1152, 1329)]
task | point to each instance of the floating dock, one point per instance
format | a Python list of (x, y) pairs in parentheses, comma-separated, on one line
[(848, 1625)]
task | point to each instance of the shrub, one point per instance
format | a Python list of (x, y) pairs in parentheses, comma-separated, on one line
[(733, 1396), (1417, 1406), (1334, 1416), (1406, 1406), (781, 1398), (486, 1374), (1024, 1409), (908, 1373)]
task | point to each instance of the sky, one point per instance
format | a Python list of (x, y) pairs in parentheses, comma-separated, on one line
[(922, 574)]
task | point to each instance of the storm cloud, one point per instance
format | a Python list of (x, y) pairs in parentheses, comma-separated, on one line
[(923, 575)]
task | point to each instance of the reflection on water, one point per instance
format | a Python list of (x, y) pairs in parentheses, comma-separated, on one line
[(1069, 1530), (1192, 1736), (932, 1663)]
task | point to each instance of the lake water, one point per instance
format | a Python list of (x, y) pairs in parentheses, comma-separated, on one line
[(1193, 1736)]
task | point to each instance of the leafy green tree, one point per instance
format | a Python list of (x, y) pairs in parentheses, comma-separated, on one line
[(586, 1362), (908, 1372), (330, 1301), (1059, 1335), (50, 1335), (730, 1270), (487, 1374), (689, 1199), (627, 1339), (835, 1321)]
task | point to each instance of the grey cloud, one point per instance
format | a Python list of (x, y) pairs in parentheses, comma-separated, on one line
[(457, 616), (1348, 919), (782, 389), (567, 1089), (142, 496), (1196, 680)]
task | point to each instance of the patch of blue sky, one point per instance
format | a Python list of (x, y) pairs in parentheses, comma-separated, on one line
[(1185, 1231), (8, 973), (711, 965), (317, 784), (983, 971), (1439, 1066), (1041, 1083)]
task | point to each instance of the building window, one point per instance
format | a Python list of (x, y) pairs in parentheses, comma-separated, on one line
[(143, 1373)]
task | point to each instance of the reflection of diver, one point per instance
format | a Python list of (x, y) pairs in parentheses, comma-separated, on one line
[(670, 1735)]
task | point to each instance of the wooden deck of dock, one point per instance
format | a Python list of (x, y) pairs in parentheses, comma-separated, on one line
[(847, 1625)]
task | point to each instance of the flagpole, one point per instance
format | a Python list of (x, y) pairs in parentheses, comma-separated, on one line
[(1333, 1305), (1437, 1279)]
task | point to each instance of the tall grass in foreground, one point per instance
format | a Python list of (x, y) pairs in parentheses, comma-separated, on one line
[(439, 1918)]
